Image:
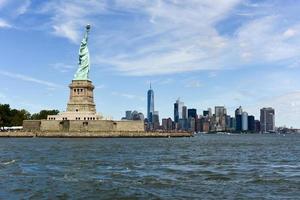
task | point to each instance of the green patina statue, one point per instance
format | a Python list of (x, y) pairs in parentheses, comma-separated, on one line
[(84, 58)]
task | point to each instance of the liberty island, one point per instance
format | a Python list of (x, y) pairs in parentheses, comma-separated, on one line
[(81, 118)]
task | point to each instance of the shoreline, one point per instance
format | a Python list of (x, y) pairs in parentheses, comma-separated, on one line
[(20, 134)]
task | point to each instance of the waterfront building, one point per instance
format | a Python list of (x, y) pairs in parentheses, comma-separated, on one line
[(182, 124), (220, 111), (244, 121), (205, 113), (257, 126), (238, 119), (239, 111), (205, 127), (155, 120), (198, 124), (167, 124), (178, 110), (267, 120), (251, 123), (192, 112), (220, 118), (128, 114), (232, 123), (191, 124), (209, 112), (150, 106), (184, 112)]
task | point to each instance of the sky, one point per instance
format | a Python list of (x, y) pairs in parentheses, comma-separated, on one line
[(207, 53)]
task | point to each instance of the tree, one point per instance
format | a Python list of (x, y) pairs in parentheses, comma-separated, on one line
[(4, 115), (17, 117), (43, 114)]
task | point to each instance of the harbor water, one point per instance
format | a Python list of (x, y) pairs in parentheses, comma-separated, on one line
[(201, 167)]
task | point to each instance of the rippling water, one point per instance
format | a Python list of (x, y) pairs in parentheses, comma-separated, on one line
[(202, 167)]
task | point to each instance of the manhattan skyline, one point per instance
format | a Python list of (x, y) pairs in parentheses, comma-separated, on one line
[(230, 54)]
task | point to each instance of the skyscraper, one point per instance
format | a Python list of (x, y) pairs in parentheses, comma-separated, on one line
[(267, 119), (184, 112), (178, 110), (192, 112), (251, 123), (150, 105), (238, 119), (244, 121)]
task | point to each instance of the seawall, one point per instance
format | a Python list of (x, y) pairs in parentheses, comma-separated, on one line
[(112, 134)]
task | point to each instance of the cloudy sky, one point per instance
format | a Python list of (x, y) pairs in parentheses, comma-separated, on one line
[(208, 53)]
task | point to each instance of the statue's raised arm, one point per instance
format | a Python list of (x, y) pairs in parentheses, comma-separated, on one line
[(84, 58)]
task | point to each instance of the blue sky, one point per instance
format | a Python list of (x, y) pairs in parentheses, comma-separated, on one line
[(208, 53)]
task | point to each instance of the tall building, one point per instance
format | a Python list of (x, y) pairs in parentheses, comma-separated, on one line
[(257, 126), (155, 120), (238, 111), (251, 123), (220, 111), (128, 114), (238, 123), (238, 119), (267, 120), (184, 112), (167, 124), (220, 118), (244, 121), (150, 105), (192, 112), (205, 113), (178, 110)]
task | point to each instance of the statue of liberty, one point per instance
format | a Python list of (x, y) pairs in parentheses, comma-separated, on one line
[(84, 58)]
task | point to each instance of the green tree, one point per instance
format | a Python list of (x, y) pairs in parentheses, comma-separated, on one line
[(17, 117), (43, 114), (4, 115)]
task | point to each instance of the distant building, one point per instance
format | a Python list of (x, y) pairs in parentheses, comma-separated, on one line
[(257, 126), (238, 119), (150, 105), (267, 119), (183, 124), (232, 123), (251, 123), (191, 124), (238, 123), (220, 118), (220, 111), (239, 111), (133, 115), (155, 120), (192, 113), (128, 115), (244, 121), (205, 113), (167, 124), (178, 110), (184, 112)]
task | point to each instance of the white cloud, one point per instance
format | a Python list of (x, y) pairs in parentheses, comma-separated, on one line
[(29, 79), (4, 24), (69, 17), (100, 86), (128, 96), (62, 67), (22, 8), (193, 84), (290, 33)]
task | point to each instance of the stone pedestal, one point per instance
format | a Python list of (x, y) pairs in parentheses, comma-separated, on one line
[(81, 104), (81, 97)]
